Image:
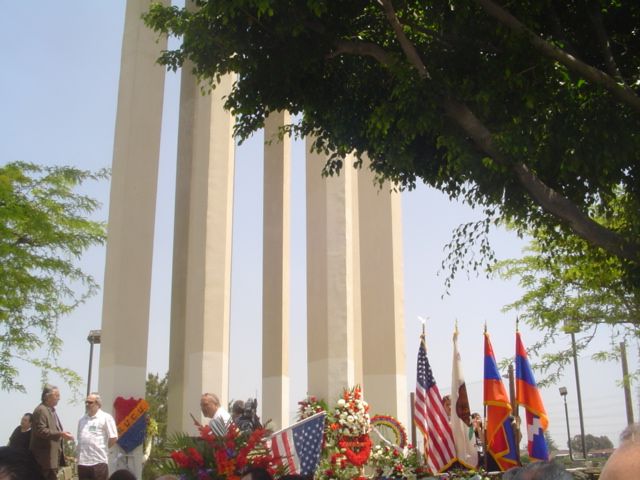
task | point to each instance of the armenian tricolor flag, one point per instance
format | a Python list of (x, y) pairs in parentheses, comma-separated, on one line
[(500, 437), (528, 396)]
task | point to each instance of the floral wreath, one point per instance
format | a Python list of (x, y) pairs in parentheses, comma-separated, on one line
[(392, 424), (310, 406), (351, 424), (361, 443)]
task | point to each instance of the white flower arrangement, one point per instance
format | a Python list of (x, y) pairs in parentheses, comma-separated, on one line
[(351, 415)]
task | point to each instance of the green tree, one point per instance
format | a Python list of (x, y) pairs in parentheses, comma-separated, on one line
[(44, 230), (591, 443), (570, 288), (156, 394), (551, 444), (531, 114)]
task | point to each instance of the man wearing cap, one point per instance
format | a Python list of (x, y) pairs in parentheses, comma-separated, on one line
[(97, 433)]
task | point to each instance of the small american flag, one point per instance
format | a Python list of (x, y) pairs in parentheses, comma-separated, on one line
[(297, 448), (431, 418)]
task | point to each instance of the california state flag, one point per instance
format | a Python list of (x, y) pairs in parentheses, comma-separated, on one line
[(463, 435)]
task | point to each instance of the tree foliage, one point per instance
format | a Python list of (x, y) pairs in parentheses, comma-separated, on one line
[(44, 230), (531, 113), (157, 394), (570, 288), (591, 443)]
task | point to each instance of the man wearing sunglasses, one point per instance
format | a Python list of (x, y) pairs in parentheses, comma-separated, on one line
[(97, 433)]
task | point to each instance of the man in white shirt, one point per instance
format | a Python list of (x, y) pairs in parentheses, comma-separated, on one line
[(220, 418), (97, 433)]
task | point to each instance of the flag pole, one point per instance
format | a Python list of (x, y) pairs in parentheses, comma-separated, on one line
[(425, 440), (515, 408), (413, 405), (484, 421)]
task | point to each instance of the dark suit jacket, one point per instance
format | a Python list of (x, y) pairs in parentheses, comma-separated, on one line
[(46, 438)]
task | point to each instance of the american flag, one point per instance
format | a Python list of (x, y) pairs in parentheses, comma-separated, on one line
[(431, 418), (297, 448)]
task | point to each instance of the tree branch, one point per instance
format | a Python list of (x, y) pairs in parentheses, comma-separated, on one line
[(621, 92), (603, 40), (408, 48), (543, 195), (368, 49), (550, 200)]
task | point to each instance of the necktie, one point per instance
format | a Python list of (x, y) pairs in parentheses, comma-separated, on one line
[(58, 424)]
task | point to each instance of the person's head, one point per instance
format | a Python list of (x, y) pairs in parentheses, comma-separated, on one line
[(256, 473), (18, 464), (92, 404), (209, 404), (476, 420), (295, 476), (25, 422), (538, 471), (631, 434), (50, 395), (446, 401), (626, 458), (237, 409), (122, 474)]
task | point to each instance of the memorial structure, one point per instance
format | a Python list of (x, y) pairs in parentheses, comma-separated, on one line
[(354, 256)]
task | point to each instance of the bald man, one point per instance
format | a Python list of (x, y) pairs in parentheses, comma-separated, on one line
[(220, 418), (624, 463)]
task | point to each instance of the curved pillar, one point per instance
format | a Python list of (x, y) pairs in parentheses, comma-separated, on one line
[(332, 280), (200, 298), (276, 272), (383, 353), (127, 282)]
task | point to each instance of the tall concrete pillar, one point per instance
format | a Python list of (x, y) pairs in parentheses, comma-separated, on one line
[(332, 274), (200, 299), (275, 272), (127, 283), (383, 352)]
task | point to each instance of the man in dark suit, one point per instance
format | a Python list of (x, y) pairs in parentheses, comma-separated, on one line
[(47, 434)]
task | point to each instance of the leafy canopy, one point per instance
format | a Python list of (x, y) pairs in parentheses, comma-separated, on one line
[(591, 442), (570, 288), (530, 113), (44, 230)]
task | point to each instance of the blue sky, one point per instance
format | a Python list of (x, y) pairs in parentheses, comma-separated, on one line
[(58, 92)]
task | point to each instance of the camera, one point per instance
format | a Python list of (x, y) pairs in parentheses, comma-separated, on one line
[(248, 420)]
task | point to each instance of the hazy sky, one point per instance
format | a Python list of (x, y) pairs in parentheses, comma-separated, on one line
[(58, 91)]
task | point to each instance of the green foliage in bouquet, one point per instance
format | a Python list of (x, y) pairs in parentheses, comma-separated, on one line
[(310, 406), (386, 461)]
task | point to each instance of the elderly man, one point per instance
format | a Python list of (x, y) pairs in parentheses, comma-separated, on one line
[(220, 418), (97, 433), (47, 434)]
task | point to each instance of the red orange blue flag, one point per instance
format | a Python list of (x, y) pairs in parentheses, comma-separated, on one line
[(500, 436), (529, 397)]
